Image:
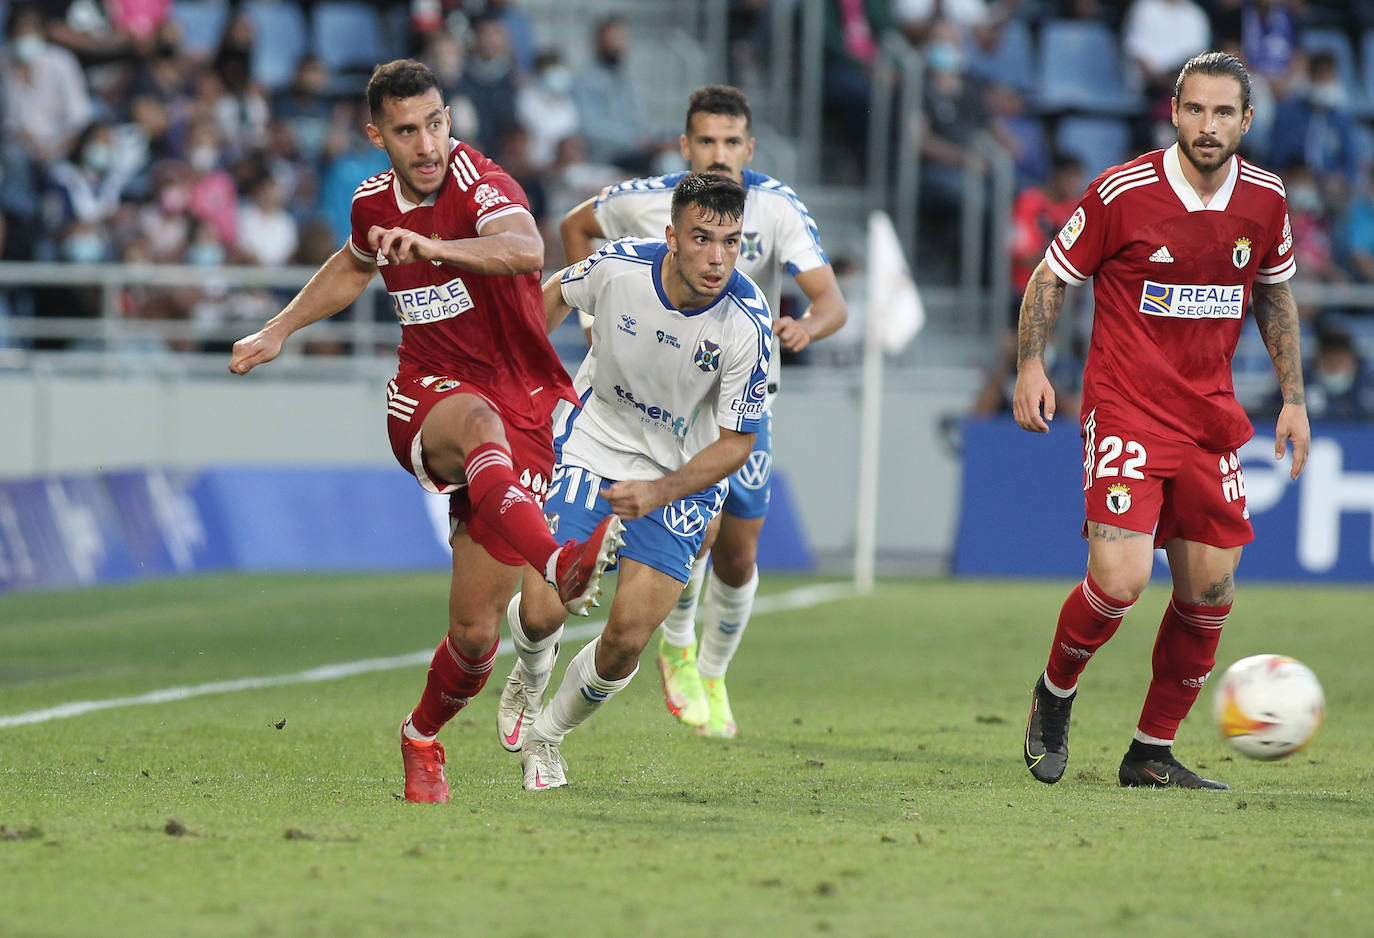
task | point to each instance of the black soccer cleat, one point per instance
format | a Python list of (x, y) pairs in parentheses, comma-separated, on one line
[(1047, 733), (1147, 766)]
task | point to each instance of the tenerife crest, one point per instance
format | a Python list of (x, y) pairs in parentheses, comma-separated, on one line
[(751, 245), (1240, 254), (707, 357)]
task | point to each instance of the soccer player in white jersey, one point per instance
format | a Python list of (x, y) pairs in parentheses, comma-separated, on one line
[(672, 394), (777, 236)]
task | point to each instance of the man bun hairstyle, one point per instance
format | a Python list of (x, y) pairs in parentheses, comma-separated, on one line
[(401, 78), (719, 197), (724, 100), (1217, 64)]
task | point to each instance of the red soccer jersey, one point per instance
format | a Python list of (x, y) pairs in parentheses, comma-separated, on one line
[(486, 329), (1172, 280)]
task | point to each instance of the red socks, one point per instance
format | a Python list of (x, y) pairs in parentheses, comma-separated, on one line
[(1087, 619), (453, 680), (1185, 651), (502, 505)]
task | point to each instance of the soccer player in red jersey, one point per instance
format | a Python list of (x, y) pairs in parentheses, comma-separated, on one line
[(1178, 243), (469, 411)]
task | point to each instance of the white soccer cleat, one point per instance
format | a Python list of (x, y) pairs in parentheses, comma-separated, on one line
[(518, 707), (544, 766)]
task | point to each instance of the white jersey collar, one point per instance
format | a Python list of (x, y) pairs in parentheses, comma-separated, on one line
[(1173, 171), (404, 204)]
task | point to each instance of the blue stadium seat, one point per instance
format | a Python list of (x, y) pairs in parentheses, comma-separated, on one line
[(279, 40), (1080, 69), (1099, 142), (1012, 62), (349, 38), (202, 24)]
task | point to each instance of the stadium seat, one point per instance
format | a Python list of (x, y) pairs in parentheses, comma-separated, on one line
[(350, 38), (202, 24), (1098, 141), (279, 40), (1012, 62), (1080, 69)]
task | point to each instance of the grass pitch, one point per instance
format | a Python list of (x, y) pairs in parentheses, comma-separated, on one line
[(877, 788)]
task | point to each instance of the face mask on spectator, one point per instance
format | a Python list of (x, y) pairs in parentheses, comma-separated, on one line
[(557, 80), (27, 48), (1328, 95), (84, 248), (173, 199), (97, 156), (205, 254), (1305, 198), (944, 57), (204, 159)]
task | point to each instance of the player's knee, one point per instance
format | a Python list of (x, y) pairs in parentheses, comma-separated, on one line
[(734, 563), (1122, 582), (473, 636)]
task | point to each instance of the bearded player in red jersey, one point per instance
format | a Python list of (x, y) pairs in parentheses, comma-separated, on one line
[(1178, 243), (469, 412)]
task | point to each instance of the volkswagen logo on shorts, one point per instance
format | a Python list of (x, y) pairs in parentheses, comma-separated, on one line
[(754, 473), (683, 518)]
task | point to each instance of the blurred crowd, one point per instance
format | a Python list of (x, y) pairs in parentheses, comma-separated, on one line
[(126, 141)]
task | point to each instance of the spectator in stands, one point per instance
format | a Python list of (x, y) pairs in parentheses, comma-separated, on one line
[(1338, 384), (88, 186), (306, 109), (241, 107), (975, 20), (349, 157), (1025, 133), (1355, 234), (267, 233), (1315, 126), (853, 35), (490, 81), (608, 104), (1269, 33), (443, 52), (519, 32), (1036, 216), (211, 193), (1157, 37), (546, 107), (46, 100), (1313, 241)]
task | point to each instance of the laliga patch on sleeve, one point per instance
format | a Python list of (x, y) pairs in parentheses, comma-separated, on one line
[(1073, 228)]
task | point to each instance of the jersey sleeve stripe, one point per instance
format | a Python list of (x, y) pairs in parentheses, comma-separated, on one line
[(1124, 187), (1110, 184), (501, 213), (1262, 173), (1278, 274), (367, 258), (1058, 263), (1256, 181), (369, 186)]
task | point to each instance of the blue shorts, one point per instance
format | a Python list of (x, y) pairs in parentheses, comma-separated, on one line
[(752, 485), (666, 539)]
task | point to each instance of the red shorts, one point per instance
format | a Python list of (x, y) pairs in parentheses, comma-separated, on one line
[(1171, 489), (409, 400)]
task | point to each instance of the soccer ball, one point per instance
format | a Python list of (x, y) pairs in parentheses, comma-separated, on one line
[(1268, 706)]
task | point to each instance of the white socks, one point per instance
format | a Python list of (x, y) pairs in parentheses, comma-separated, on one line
[(536, 658), (727, 614), (680, 628), (581, 694)]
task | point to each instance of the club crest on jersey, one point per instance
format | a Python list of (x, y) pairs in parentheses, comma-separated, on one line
[(1118, 498), (707, 357), (1240, 254), (751, 245), (1073, 228), (487, 196)]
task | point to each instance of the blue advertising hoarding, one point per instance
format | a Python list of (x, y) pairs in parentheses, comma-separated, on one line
[(1022, 505)]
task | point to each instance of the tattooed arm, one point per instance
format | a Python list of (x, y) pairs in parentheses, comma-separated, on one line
[(1276, 313), (1039, 309)]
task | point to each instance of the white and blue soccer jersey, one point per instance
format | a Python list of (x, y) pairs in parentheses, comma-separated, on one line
[(777, 233), (659, 381)]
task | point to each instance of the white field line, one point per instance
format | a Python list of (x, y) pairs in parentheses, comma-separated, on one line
[(793, 599)]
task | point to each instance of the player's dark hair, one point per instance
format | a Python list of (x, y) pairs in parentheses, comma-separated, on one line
[(718, 197), (401, 78), (1217, 64), (718, 99)]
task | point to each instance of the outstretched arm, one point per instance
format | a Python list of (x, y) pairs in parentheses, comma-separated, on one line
[(1039, 309), (336, 284), (825, 313), (1276, 314)]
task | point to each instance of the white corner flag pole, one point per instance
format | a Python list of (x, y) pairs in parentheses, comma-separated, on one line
[(895, 315)]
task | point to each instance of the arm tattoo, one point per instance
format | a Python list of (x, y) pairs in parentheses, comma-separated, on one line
[(1276, 313), (1039, 309)]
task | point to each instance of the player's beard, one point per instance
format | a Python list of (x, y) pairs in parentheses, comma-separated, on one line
[(1209, 163)]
